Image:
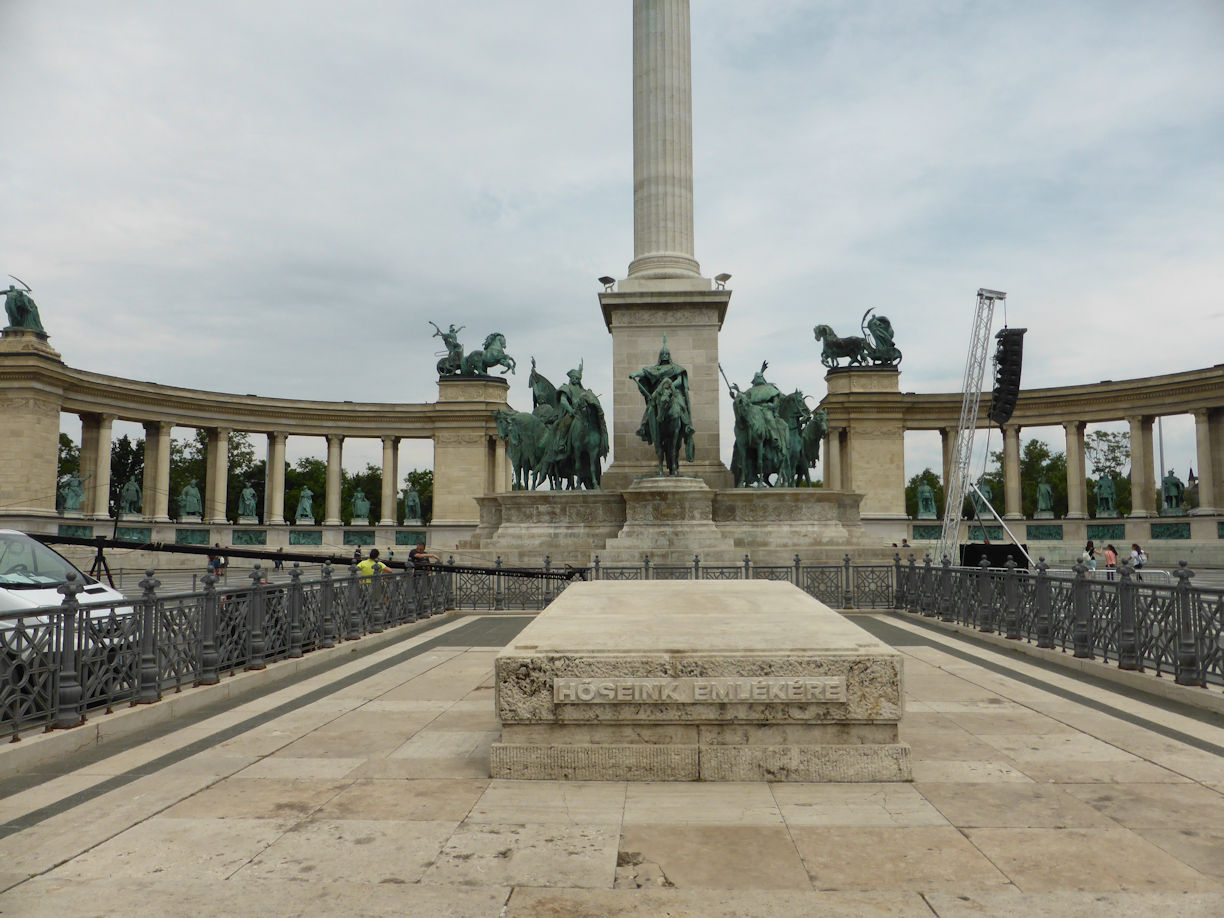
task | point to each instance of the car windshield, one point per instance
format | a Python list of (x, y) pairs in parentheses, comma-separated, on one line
[(27, 564)]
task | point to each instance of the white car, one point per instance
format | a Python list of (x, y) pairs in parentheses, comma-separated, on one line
[(30, 574)]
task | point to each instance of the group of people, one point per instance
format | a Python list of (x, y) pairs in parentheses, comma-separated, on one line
[(1138, 558)]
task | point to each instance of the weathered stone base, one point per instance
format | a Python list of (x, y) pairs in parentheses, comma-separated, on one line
[(813, 764), (700, 681)]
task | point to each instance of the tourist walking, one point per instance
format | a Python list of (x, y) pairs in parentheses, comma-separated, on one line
[(1138, 559), (1111, 561)]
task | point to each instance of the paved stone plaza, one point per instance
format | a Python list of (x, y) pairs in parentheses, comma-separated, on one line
[(363, 789)]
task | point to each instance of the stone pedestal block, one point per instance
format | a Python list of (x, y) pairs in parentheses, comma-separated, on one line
[(467, 462), (668, 681), (866, 404), (670, 519)]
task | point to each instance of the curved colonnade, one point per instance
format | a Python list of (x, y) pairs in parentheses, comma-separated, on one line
[(868, 417), (36, 386)]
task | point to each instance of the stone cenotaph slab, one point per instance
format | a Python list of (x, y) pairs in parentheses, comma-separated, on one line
[(697, 681)]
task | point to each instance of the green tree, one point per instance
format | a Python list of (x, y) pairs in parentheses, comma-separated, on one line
[(69, 465), (911, 493), (1108, 453), (421, 481)]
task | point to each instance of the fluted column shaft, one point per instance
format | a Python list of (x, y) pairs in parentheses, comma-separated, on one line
[(390, 446), (334, 444), (274, 481), (662, 141), (1209, 439), (1143, 485), (1011, 472), (216, 467), (96, 445), (1077, 495)]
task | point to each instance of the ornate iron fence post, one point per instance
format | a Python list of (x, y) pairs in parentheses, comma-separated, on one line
[(747, 568), (898, 583), (210, 657), (354, 606), (926, 603), (985, 608), (499, 592), (911, 587), (1081, 632), (327, 609), (295, 611), (149, 691), (645, 567), (68, 690), (596, 566), (1011, 601), (374, 586), (1128, 637), (1042, 591), (696, 567), (947, 611), (255, 620), (798, 574), (1187, 646), (848, 591)]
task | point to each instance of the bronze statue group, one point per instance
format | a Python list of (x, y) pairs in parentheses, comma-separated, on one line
[(563, 440)]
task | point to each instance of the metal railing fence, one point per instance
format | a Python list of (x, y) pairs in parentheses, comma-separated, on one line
[(60, 662), (1139, 625)]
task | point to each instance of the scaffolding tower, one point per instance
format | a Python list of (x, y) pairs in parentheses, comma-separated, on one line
[(957, 484)]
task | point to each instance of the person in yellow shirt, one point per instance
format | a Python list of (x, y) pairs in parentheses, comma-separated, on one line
[(371, 565)]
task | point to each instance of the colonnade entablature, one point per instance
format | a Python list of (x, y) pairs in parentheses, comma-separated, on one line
[(36, 386), (869, 415)]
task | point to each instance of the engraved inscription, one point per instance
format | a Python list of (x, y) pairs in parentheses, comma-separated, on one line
[(700, 691)]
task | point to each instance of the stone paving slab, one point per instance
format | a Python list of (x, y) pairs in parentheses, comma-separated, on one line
[(1024, 802)]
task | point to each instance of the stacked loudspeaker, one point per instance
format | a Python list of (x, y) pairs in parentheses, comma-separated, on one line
[(1009, 352)]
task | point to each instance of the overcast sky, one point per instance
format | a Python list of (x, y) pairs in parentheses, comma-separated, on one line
[(276, 197)]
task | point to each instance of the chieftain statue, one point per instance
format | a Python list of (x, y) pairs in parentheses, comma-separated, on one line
[(412, 505), (247, 503), (129, 497), (667, 421), (1174, 493), (73, 493), (776, 436), (1106, 496), (562, 441), (875, 347), (305, 507), (189, 500), (477, 363)]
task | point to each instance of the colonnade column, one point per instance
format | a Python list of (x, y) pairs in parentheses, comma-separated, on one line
[(95, 462), (390, 447), (274, 481), (1209, 437), (832, 464), (1011, 472), (1077, 495), (947, 440), (1142, 478), (156, 502), (216, 474), (332, 515)]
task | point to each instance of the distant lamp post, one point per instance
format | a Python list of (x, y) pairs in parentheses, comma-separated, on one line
[(608, 282), (720, 281)]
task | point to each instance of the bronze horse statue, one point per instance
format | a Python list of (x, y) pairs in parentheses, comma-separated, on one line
[(854, 348)]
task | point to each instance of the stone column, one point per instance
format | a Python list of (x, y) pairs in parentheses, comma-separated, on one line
[(1011, 472), (662, 142), (334, 444), (832, 466), (31, 395), (1142, 477), (1209, 438), (97, 430), (216, 472), (947, 440), (1077, 495), (88, 460), (390, 446), (274, 481), (156, 498)]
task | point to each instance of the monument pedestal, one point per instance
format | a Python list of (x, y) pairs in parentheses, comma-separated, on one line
[(670, 519), (667, 681)]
